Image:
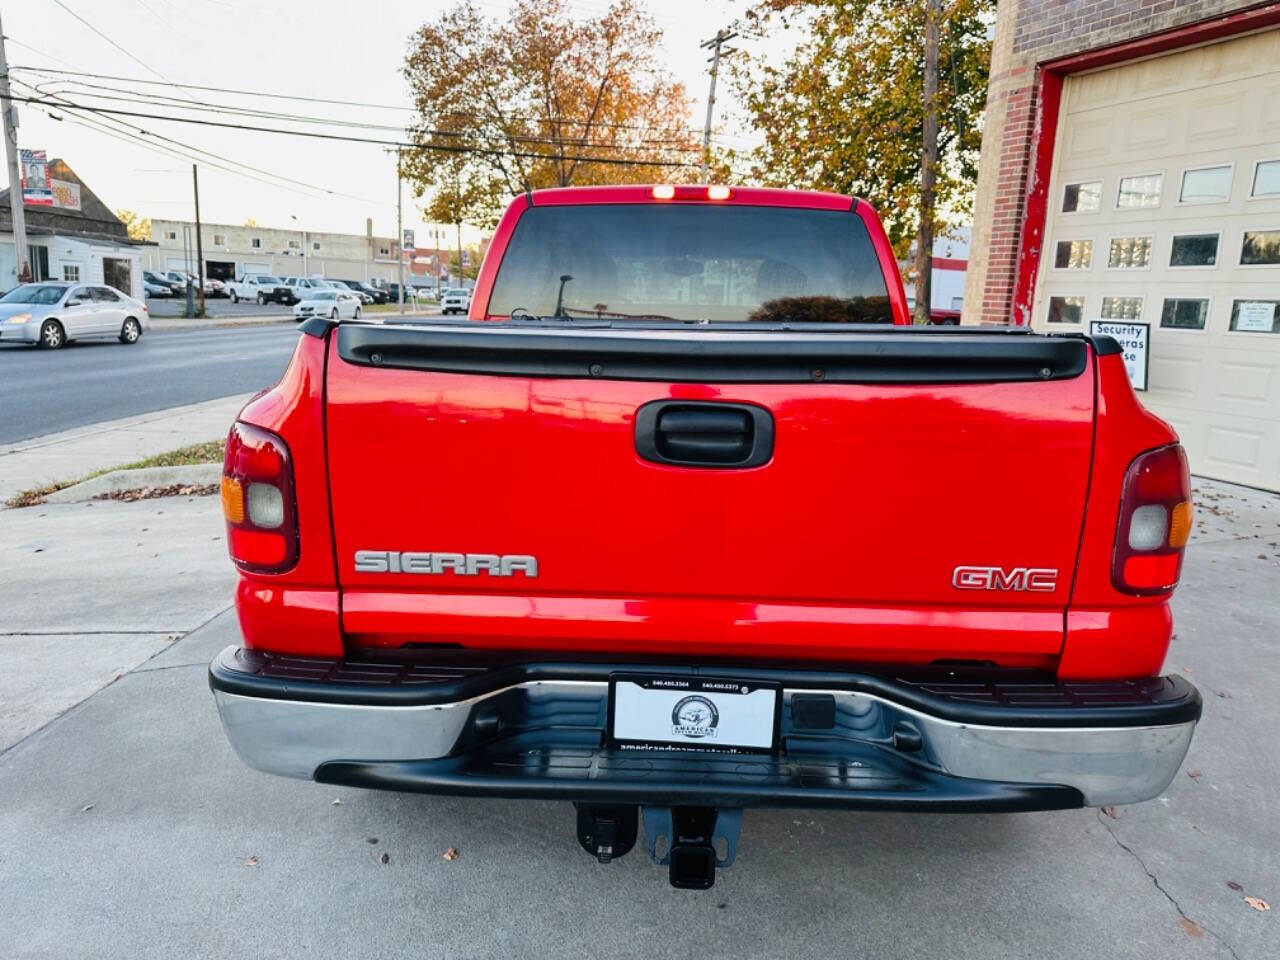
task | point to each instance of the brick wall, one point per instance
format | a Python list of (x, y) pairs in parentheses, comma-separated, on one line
[(1029, 32)]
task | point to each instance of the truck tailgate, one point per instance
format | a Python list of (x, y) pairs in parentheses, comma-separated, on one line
[(922, 500)]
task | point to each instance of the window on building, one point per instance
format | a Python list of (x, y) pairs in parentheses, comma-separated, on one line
[(1206, 185), (1194, 250), (256, 243), (1121, 308), (1260, 247), (171, 234), (384, 251), (71, 272), (294, 245), (1129, 253), (1073, 254), (1266, 179), (1184, 314), (1255, 316), (1140, 191), (1066, 310), (315, 245), (219, 239), (1082, 197)]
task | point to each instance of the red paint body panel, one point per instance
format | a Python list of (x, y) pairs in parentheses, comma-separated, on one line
[(841, 545), (297, 611), (841, 548)]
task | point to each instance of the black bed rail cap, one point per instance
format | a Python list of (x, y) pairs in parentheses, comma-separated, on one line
[(720, 355)]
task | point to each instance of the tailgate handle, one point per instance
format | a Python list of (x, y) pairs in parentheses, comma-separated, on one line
[(703, 434)]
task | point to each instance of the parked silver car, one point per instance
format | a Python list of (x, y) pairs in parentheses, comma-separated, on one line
[(51, 313)]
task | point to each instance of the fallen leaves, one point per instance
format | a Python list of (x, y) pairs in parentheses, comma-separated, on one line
[(86, 808), (1258, 903), (250, 861), (1192, 928), (336, 802), (1194, 774), (385, 858), (1110, 811), (451, 854), (1232, 885), (172, 490)]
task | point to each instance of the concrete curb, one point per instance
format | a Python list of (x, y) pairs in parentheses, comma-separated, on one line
[(117, 480)]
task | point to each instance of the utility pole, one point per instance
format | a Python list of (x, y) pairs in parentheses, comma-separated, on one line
[(399, 231), (928, 165), (714, 44), (195, 183), (17, 211)]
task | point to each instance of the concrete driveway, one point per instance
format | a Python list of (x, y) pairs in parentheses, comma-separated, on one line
[(128, 829)]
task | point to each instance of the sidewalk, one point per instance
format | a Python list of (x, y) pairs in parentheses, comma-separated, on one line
[(72, 454)]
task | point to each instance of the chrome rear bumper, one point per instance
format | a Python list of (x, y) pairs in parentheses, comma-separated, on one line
[(539, 730)]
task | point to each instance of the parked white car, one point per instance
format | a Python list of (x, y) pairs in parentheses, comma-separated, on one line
[(455, 301), (52, 313), (331, 303), (261, 287)]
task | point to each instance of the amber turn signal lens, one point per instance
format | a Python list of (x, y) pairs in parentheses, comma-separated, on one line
[(1180, 525), (232, 500)]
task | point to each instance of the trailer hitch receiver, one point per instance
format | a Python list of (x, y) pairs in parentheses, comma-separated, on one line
[(694, 838)]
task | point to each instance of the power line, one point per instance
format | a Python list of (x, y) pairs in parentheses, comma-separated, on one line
[(141, 63), (134, 134), (345, 138), (324, 100), (134, 97)]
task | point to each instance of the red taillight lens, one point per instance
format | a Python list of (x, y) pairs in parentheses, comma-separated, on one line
[(258, 500), (1155, 522)]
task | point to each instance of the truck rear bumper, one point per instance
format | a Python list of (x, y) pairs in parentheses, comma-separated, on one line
[(539, 730)]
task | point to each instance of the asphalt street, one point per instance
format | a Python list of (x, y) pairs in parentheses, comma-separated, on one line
[(128, 828), (46, 391)]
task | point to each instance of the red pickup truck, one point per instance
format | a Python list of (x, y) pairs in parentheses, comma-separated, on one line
[(657, 529)]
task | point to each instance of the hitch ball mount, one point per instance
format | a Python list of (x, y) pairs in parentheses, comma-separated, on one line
[(694, 840)]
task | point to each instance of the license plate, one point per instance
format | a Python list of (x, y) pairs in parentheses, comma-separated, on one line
[(693, 713)]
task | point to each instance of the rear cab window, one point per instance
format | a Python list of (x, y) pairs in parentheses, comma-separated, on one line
[(691, 262)]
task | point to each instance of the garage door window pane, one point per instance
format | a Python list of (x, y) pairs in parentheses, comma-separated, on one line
[(1266, 179), (1208, 185), (1195, 250), (1184, 314), (1129, 252), (1066, 310), (1121, 308), (1261, 247), (1073, 254), (1143, 191), (1255, 316), (1082, 197)]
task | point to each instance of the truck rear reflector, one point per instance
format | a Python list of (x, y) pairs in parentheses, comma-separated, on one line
[(258, 501), (1155, 522)]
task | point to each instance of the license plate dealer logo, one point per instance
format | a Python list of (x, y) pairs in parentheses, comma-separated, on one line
[(695, 717)]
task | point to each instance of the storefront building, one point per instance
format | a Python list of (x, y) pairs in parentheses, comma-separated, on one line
[(1131, 175)]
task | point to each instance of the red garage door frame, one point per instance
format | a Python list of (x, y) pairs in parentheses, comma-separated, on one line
[(1049, 97)]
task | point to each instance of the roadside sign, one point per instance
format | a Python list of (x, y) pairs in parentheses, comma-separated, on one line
[(37, 191), (1135, 342), (407, 248)]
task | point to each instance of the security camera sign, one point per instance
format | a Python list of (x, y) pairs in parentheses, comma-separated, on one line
[(1135, 342)]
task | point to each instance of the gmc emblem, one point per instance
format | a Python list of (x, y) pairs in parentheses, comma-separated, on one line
[(1032, 579)]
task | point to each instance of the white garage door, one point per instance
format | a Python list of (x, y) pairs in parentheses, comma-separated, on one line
[(1165, 209)]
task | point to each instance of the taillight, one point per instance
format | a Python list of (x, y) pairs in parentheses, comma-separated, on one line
[(1155, 522), (258, 500)]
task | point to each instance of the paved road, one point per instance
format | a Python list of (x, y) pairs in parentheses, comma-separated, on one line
[(44, 391)]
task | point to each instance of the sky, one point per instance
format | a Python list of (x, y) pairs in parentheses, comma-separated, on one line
[(332, 49)]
